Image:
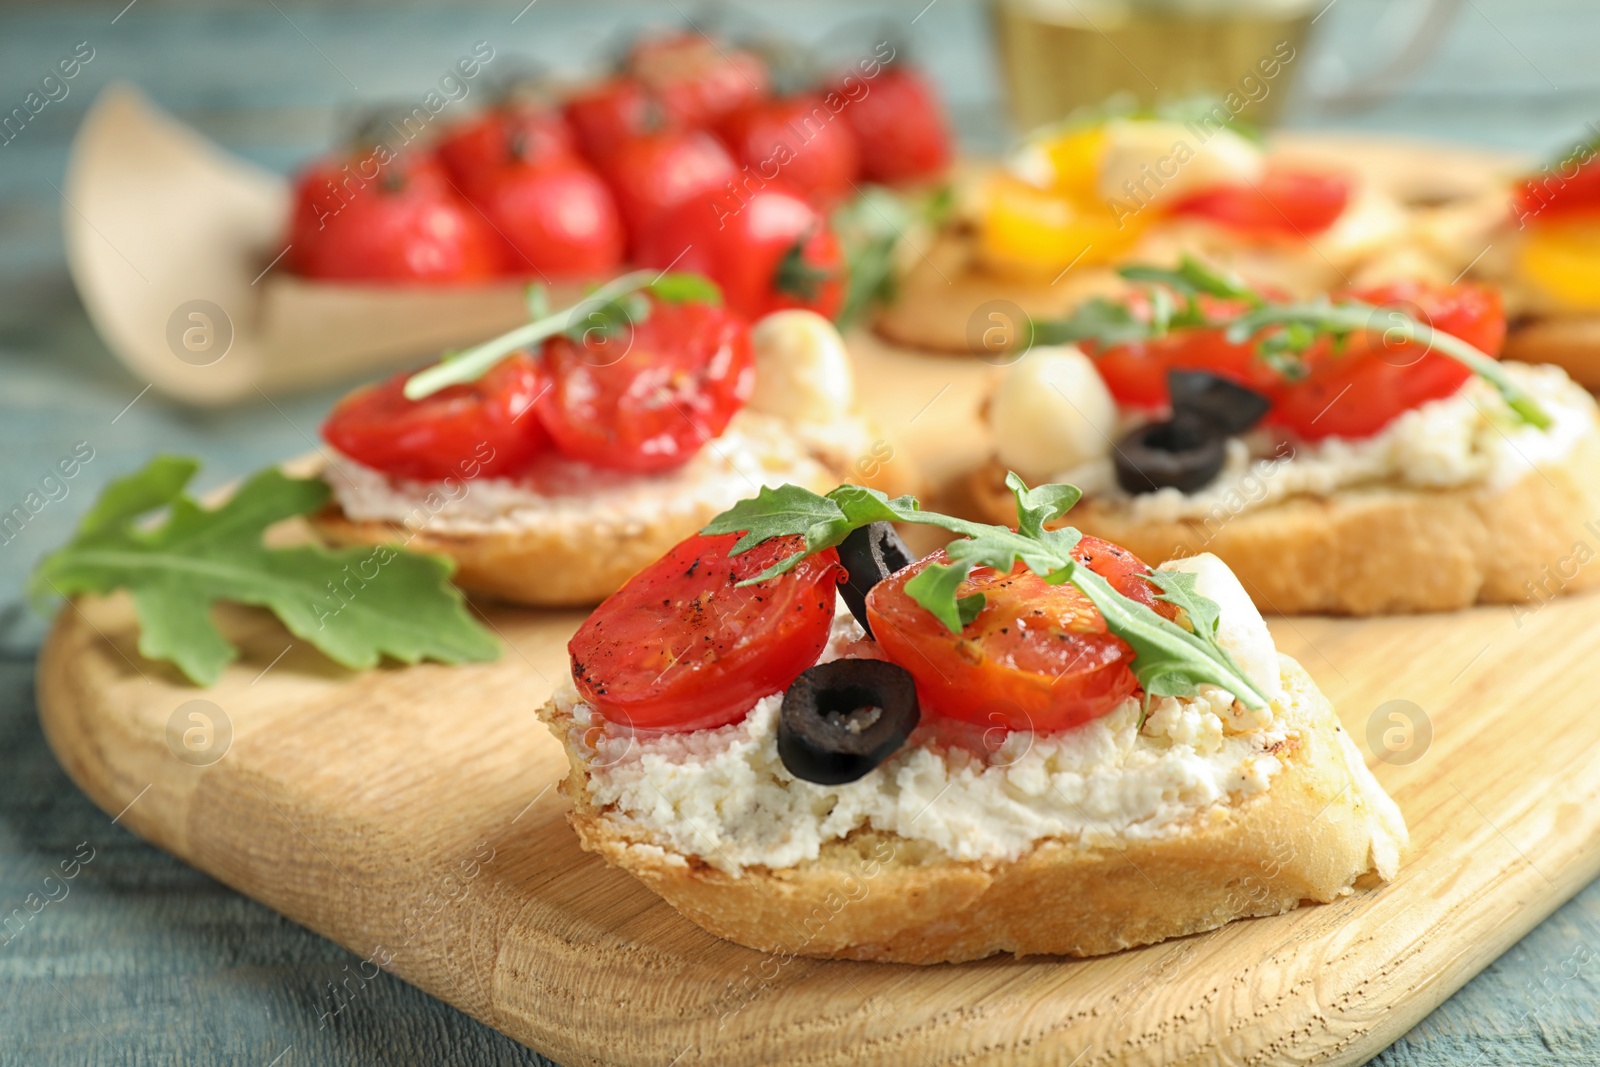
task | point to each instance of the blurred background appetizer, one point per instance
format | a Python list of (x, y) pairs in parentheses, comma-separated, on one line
[(1359, 454), (553, 462)]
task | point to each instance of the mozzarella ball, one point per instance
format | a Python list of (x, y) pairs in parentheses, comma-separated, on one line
[(1164, 160), (1052, 412), (802, 369), (1240, 628)]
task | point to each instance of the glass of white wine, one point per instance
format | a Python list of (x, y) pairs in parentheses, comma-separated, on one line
[(1061, 55)]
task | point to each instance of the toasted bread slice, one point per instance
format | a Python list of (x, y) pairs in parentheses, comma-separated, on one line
[(1377, 549), (1571, 342), (565, 557), (1320, 825)]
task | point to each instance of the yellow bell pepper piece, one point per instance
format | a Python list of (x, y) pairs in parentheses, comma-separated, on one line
[(1041, 232), (1563, 258), (1075, 157)]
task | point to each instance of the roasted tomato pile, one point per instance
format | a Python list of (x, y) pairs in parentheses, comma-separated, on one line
[(683, 647), (641, 400), (688, 152), (1351, 389)]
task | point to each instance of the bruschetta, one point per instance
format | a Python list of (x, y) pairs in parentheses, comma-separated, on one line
[(1338, 454), (1046, 230), (810, 744), (554, 462)]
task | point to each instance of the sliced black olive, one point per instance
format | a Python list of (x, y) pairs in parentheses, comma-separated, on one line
[(842, 718), (1227, 405), (870, 554), (1184, 452)]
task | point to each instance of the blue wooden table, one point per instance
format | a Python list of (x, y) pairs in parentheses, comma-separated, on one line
[(146, 961)]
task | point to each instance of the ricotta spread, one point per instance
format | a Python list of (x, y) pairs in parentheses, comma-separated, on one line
[(1471, 438), (725, 797), (755, 450)]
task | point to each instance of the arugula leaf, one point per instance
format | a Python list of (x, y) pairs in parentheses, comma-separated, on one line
[(824, 521), (1103, 321), (1035, 507), (872, 227), (1178, 587), (1281, 332), (935, 589), (1169, 660), (537, 299), (610, 319), (608, 309), (1193, 276), (354, 604), (684, 287)]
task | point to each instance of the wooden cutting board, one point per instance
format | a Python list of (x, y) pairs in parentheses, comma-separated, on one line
[(410, 814)]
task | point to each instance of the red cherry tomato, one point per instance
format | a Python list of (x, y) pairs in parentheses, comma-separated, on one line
[(647, 400), (356, 219), (556, 219), (1283, 201), (611, 112), (1566, 189), (798, 141), (1353, 390), (480, 429), (651, 174), (899, 125), (1359, 389), (682, 647), (774, 251), (512, 133), (1124, 570), (1136, 373), (1037, 656), (698, 81)]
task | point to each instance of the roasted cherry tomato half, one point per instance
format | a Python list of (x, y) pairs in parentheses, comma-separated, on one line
[(898, 124), (361, 220), (798, 141), (481, 429), (698, 81), (1283, 202), (1349, 390), (1124, 570), (769, 251), (682, 647), (1359, 388), (556, 219), (1037, 656), (513, 132), (648, 398), (653, 173)]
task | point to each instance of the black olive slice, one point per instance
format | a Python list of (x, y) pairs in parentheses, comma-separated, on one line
[(1227, 405), (870, 554), (841, 719), (1184, 452)]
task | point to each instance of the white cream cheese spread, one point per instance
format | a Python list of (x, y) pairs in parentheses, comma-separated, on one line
[(723, 795), (755, 450), (1470, 438)]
